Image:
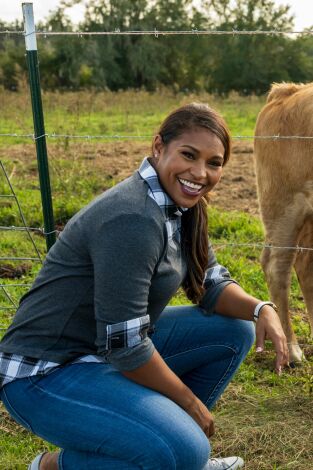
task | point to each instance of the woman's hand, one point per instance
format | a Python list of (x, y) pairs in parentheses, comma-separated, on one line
[(156, 374), (199, 412), (235, 302), (268, 326)]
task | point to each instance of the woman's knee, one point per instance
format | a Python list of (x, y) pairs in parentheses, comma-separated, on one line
[(179, 451)]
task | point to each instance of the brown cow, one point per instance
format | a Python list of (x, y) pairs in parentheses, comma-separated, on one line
[(284, 169)]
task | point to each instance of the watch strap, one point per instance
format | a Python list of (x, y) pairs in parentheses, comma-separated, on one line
[(259, 307)]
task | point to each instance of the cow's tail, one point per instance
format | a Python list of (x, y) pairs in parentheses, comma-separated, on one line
[(282, 90)]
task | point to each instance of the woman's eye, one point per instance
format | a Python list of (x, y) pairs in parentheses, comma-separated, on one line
[(188, 155), (215, 163)]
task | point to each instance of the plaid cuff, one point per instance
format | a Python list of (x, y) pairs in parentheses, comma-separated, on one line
[(127, 334), (215, 275)]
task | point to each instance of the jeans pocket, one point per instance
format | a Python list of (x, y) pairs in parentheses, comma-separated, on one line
[(12, 411)]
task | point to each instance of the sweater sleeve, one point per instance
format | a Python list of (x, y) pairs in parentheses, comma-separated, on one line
[(217, 277), (125, 252)]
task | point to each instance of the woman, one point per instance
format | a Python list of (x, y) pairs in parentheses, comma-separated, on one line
[(94, 361)]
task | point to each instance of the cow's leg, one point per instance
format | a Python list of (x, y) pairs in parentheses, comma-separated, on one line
[(277, 265), (277, 268), (304, 268)]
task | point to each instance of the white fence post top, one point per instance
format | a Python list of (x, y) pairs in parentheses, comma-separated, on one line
[(29, 25)]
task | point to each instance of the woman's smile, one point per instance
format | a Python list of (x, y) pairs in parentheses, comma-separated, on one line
[(189, 187)]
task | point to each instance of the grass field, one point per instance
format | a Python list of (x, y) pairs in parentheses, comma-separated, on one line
[(127, 112), (262, 417)]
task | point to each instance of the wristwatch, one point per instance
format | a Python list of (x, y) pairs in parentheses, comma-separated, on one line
[(259, 307)]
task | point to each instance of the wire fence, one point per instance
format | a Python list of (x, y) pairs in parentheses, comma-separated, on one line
[(117, 32), (25, 227), (157, 33), (11, 303)]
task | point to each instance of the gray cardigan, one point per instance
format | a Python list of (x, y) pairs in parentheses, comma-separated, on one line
[(86, 287)]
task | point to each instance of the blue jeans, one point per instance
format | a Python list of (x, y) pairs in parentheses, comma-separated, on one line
[(102, 420)]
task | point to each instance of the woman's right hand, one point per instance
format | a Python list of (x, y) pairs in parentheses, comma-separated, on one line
[(156, 374), (199, 412)]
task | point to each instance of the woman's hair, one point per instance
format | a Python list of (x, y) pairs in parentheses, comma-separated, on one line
[(195, 220)]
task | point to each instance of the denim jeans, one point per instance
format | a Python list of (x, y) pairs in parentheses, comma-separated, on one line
[(102, 420)]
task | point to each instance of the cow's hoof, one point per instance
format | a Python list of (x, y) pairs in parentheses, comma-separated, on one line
[(296, 355)]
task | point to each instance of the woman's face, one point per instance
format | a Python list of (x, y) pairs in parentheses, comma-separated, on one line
[(189, 166)]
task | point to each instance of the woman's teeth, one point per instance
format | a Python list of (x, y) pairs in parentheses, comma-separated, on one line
[(190, 185)]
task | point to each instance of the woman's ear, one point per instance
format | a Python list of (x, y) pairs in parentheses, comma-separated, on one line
[(157, 146)]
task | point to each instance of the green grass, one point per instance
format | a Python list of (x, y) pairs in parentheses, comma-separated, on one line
[(106, 113), (265, 418)]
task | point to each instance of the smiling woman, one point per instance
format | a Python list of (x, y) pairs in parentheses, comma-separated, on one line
[(189, 166), (116, 378)]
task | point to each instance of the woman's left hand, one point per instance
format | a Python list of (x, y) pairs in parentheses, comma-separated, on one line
[(268, 326)]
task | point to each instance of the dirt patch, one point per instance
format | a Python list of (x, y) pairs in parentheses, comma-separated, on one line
[(12, 272), (237, 188)]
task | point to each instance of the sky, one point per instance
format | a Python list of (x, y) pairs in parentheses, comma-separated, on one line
[(11, 10)]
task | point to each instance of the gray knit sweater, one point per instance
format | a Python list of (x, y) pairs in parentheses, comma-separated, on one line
[(111, 267)]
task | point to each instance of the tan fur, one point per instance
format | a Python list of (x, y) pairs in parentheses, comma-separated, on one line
[(284, 170)]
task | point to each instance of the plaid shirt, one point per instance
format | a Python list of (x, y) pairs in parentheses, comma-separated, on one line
[(171, 211), (119, 335)]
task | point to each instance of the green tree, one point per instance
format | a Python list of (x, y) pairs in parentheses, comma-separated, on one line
[(120, 61), (61, 57), (181, 63), (12, 60), (248, 64), (303, 69)]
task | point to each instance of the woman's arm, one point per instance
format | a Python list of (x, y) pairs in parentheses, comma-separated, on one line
[(235, 302), (156, 374)]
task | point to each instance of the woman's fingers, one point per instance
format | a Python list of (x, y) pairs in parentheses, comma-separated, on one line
[(209, 427), (209, 430), (269, 326), (282, 354), (280, 344), (199, 412), (260, 338)]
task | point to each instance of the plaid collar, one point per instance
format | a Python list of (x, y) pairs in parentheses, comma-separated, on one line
[(163, 200)]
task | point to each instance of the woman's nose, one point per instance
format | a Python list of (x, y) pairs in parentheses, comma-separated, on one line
[(198, 170)]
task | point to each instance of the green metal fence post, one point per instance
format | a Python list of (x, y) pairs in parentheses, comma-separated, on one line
[(39, 127)]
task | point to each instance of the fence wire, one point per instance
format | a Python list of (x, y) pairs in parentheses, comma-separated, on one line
[(157, 33), (24, 228), (135, 137), (20, 211), (258, 245), (42, 231)]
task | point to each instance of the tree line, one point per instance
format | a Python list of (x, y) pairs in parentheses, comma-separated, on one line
[(216, 64)]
